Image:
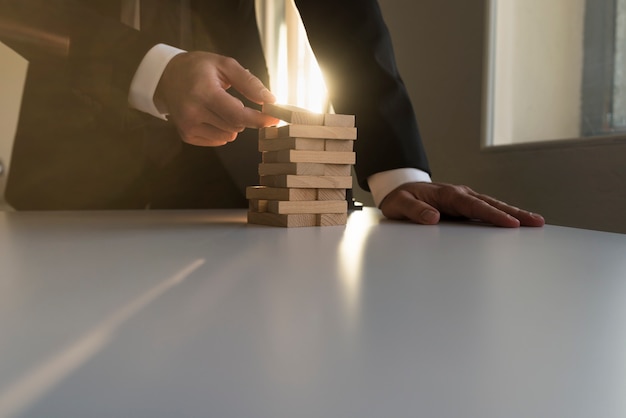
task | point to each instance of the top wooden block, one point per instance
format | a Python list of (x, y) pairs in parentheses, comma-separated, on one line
[(293, 114), (333, 119), (300, 116)]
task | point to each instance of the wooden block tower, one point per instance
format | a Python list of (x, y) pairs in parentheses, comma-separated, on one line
[(306, 169)]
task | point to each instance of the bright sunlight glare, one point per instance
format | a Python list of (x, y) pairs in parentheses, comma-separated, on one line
[(298, 78)]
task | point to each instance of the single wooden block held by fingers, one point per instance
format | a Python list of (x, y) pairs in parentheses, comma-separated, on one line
[(299, 116), (293, 114)]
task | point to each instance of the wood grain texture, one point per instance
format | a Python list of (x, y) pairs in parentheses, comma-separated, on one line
[(293, 114), (338, 145), (321, 132), (274, 193), (269, 132), (304, 169), (309, 169), (331, 119), (330, 194), (299, 116), (331, 219), (315, 206), (296, 156), (308, 182), (304, 144), (257, 205), (287, 221), (293, 194)]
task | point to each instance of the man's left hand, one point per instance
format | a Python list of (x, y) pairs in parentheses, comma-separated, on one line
[(425, 203)]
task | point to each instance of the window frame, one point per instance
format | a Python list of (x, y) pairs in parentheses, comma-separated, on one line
[(603, 131)]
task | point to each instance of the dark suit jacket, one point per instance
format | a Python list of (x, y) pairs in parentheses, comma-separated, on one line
[(80, 146)]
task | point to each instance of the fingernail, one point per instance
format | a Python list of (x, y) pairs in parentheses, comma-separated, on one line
[(429, 215)]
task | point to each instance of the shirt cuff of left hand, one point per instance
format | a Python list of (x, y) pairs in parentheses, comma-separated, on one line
[(383, 183)]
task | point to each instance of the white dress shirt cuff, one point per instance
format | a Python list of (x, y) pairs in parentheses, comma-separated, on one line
[(147, 76), (381, 184)]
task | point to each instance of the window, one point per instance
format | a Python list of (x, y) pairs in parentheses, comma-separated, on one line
[(557, 70), (295, 76), (604, 82)]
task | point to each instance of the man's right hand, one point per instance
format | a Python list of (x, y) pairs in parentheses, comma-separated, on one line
[(192, 90)]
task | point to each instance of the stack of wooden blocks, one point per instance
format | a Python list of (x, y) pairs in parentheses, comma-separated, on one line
[(306, 169)]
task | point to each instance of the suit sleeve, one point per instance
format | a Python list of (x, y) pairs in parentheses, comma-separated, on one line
[(353, 47), (83, 40)]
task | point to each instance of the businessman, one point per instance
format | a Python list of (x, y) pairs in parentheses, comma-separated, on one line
[(120, 115)]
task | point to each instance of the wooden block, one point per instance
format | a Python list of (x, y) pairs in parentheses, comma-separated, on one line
[(307, 144), (257, 205), (337, 169), (338, 145), (269, 132), (331, 219), (301, 169), (320, 132), (299, 116), (273, 193), (322, 157), (331, 119), (314, 206), (293, 114), (308, 182), (330, 194), (288, 221), (304, 169)]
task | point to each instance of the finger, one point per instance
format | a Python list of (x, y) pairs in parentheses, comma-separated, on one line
[(474, 208), (196, 115), (526, 218), (252, 118), (207, 136), (401, 204), (246, 83), (229, 114), (225, 111), (192, 128)]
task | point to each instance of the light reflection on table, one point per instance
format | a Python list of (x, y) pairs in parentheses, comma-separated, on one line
[(195, 313)]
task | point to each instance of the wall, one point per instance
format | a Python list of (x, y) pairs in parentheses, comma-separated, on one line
[(538, 70), (12, 75), (439, 46)]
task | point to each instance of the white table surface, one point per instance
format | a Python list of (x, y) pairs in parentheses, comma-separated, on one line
[(196, 314)]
